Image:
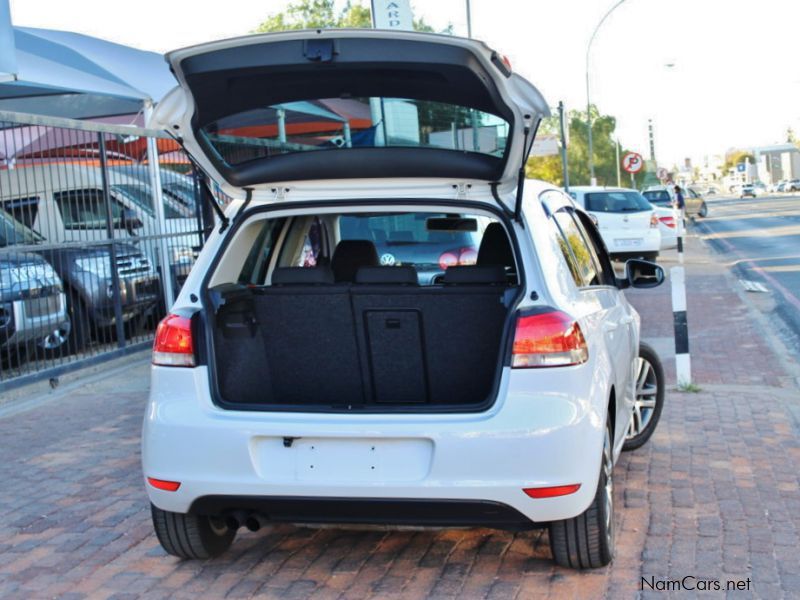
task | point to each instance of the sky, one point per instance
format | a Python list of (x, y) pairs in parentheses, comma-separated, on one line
[(734, 79)]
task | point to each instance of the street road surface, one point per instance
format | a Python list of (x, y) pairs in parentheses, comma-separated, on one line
[(761, 238)]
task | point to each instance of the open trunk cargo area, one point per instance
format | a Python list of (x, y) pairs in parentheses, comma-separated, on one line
[(357, 346)]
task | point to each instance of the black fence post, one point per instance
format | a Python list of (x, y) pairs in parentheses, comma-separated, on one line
[(120, 326)]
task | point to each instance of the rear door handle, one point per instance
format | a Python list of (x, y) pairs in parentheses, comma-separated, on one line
[(609, 326)]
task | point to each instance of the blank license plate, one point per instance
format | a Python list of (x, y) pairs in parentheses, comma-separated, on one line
[(628, 242), (343, 460)]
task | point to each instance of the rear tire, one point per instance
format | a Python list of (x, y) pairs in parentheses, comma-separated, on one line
[(80, 329), (191, 536), (649, 401), (703, 212), (587, 541)]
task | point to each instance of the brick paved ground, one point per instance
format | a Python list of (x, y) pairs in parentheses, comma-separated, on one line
[(714, 494)]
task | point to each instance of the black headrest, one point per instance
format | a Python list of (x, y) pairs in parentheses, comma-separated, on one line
[(350, 256), (495, 248), (302, 276), (397, 275), (475, 274)]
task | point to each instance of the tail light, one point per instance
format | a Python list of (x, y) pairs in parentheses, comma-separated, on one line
[(461, 256), (668, 221), (653, 221), (173, 345), (552, 339)]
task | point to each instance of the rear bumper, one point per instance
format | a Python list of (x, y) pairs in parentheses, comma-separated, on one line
[(669, 238), (632, 242), (259, 459), (369, 511)]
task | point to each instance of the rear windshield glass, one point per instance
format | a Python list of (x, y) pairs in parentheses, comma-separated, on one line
[(616, 202), (406, 239), (658, 196), (341, 123)]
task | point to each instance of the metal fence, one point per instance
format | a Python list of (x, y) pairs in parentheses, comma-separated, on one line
[(99, 226)]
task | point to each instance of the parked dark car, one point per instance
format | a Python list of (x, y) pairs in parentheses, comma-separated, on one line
[(84, 272), (33, 308)]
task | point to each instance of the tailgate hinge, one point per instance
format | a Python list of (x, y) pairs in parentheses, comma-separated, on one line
[(279, 193), (462, 189)]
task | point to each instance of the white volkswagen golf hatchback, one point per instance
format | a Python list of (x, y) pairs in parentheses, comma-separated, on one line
[(628, 223), (385, 328)]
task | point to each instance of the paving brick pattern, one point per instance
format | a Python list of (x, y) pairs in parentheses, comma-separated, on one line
[(713, 495)]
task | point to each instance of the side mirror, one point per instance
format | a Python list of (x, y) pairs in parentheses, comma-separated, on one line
[(641, 274), (130, 221)]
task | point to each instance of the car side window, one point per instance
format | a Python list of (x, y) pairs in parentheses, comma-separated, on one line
[(575, 250), (254, 270), (306, 244), (86, 209), (602, 263)]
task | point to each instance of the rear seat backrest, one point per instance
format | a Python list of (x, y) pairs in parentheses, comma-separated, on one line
[(429, 344), (405, 275), (302, 276), (476, 275)]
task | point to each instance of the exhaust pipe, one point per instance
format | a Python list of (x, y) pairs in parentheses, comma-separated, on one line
[(235, 520), (255, 522)]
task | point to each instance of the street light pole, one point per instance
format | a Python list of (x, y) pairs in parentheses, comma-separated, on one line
[(588, 97), (469, 21)]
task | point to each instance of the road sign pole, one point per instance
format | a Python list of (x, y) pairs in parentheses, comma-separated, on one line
[(619, 175)]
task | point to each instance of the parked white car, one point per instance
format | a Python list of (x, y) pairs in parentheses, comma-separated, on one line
[(626, 220), (668, 226), (302, 377)]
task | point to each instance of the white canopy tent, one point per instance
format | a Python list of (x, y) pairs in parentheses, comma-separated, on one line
[(65, 74)]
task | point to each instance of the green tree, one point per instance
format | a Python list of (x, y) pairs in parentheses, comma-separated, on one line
[(549, 168), (320, 14)]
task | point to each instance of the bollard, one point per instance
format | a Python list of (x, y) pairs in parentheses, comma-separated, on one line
[(683, 363), (678, 216)]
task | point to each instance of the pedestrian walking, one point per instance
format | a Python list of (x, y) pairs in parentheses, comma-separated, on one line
[(679, 201)]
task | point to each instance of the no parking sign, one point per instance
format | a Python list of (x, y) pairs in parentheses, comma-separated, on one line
[(632, 162)]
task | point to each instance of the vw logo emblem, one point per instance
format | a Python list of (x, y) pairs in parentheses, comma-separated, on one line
[(387, 259)]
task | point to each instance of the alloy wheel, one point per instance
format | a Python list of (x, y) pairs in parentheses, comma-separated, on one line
[(608, 491), (646, 393)]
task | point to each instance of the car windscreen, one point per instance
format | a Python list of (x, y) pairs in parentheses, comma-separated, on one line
[(141, 195), (329, 124), (13, 232), (657, 196), (615, 202)]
